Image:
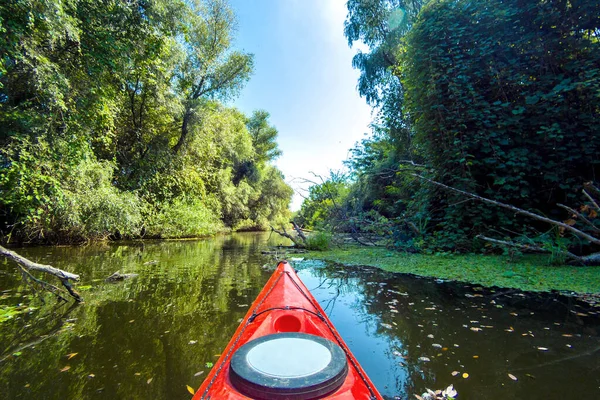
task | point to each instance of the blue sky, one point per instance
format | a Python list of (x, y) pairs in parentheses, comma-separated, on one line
[(304, 78)]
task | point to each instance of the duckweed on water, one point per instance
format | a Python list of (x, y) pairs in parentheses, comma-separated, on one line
[(530, 273)]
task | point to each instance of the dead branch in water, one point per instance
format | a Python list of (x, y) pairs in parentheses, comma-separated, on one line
[(299, 241), (25, 265)]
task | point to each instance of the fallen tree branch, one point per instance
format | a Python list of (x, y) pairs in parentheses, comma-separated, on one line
[(591, 259), (591, 199), (25, 265), (297, 243), (580, 216), (527, 247), (297, 229), (517, 210)]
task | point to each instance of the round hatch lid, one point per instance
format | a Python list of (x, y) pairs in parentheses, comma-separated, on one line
[(291, 365)]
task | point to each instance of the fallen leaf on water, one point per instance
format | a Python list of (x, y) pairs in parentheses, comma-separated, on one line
[(465, 375), (542, 348), (217, 355), (386, 325), (439, 346), (475, 356), (71, 355), (190, 389), (91, 376), (27, 385), (475, 329), (192, 342), (511, 376), (430, 336), (454, 373), (530, 376), (149, 380), (198, 373), (137, 374), (208, 365), (426, 359), (66, 368), (131, 321), (567, 335)]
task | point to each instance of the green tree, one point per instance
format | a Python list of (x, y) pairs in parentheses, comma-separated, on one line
[(210, 69)]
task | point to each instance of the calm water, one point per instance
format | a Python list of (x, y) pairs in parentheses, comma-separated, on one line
[(151, 336)]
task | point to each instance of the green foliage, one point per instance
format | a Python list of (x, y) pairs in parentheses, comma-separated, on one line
[(181, 218), (497, 99), (110, 119), (505, 107), (323, 206), (319, 241)]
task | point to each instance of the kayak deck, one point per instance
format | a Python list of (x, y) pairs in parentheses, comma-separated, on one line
[(284, 305)]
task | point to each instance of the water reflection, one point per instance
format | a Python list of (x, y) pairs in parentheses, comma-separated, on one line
[(415, 333), (151, 336)]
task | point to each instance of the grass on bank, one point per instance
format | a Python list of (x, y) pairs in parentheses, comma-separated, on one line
[(531, 272)]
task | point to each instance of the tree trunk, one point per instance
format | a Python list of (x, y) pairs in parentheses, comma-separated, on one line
[(184, 130)]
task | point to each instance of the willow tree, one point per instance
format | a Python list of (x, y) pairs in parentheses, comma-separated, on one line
[(210, 69)]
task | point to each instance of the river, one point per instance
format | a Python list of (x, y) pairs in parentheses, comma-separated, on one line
[(154, 335)]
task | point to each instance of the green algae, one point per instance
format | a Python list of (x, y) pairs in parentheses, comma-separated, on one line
[(529, 273)]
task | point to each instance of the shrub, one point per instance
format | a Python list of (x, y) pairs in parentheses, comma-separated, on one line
[(319, 241)]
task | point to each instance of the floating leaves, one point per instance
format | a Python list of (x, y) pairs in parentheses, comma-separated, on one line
[(448, 393), (425, 359), (149, 381), (198, 373), (454, 373), (65, 368), (511, 376), (465, 375), (190, 389), (71, 355), (208, 365), (542, 348)]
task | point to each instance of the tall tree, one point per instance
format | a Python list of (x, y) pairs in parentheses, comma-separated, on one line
[(210, 69)]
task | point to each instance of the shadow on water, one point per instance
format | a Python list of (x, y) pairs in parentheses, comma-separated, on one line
[(151, 336)]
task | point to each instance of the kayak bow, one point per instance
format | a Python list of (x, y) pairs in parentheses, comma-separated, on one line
[(286, 348)]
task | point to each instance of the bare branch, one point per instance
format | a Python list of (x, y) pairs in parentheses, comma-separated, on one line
[(517, 210), (26, 265), (533, 248), (295, 240), (580, 216), (299, 230), (591, 199)]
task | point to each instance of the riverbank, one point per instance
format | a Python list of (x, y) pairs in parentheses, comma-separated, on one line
[(529, 273)]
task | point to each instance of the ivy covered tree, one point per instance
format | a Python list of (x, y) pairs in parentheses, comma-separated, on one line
[(504, 103)]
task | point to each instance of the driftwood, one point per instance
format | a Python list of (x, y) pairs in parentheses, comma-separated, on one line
[(117, 276), (592, 259), (25, 266)]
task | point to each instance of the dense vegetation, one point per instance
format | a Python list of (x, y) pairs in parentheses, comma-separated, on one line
[(113, 121), (498, 99)]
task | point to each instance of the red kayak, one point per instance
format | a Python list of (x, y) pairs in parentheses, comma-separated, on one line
[(286, 349)]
